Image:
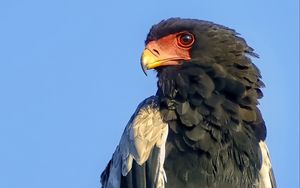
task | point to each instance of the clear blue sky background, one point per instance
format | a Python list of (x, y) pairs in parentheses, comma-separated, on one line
[(70, 79)]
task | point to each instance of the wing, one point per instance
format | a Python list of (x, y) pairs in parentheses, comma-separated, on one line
[(267, 179), (139, 157)]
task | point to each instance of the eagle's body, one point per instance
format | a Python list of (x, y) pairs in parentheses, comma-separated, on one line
[(202, 129)]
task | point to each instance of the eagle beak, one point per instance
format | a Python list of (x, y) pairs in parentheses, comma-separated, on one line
[(149, 61), (154, 56), (144, 66)]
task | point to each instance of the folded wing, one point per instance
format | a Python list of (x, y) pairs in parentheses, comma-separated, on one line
[(139, 157), (267, 179)]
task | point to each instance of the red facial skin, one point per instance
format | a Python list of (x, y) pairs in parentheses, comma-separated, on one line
[(170, 50)]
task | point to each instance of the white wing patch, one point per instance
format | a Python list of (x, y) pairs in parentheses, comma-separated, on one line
[(267, 179), (144, 130)]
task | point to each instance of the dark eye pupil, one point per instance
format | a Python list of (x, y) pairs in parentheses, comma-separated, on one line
[(186, 39)]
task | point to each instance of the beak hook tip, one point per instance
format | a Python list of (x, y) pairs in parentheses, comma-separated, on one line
[(144, 68), (145, 73)]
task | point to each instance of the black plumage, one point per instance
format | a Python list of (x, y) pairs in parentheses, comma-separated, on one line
[(210, 104)]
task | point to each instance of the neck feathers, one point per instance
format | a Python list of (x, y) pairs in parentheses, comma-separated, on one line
[(219, 95)]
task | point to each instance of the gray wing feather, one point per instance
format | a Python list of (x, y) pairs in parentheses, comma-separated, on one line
[(144, 131), (267, 179)]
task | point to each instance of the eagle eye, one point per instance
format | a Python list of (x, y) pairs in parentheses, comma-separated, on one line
[(185, 39)]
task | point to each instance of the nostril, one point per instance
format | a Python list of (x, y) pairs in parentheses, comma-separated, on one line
[(156, 51)]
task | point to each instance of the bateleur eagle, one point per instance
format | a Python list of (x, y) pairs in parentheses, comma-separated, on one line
[(202, 129)]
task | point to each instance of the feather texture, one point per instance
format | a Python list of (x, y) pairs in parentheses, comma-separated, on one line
[(203, 128), (144, 132), (267, 179)]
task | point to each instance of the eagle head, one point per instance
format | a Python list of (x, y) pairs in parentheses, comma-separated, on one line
[(207, 66)]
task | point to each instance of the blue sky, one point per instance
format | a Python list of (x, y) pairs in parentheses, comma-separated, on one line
[(70, 79)]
